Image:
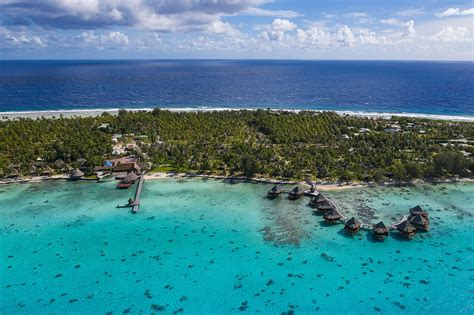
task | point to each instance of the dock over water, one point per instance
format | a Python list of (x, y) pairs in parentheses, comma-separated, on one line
[(138, 192)]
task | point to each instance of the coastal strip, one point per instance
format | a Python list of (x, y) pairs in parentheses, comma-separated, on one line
[(114, 111)]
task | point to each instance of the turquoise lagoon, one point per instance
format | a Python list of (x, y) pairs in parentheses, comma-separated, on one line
[(208, 246)]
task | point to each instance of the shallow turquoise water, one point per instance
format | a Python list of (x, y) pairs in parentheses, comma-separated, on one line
[(211, 247)]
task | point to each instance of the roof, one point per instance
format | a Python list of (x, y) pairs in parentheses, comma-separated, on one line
[(297, 190), (131, 177), (325, 206), (77, 173), (275, 189), (419, 220), (319, 199), (380, 227), (332, 214), (418, 210), (353, 223), (125, 167), (405, 226)]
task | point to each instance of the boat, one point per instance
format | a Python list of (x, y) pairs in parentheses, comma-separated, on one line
[(104, 176)]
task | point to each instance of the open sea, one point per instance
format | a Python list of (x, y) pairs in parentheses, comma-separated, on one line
[(213, 247), (421, 88)]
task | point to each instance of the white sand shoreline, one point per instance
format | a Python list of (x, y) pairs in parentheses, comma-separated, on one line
[(321, 186), (114, 111)]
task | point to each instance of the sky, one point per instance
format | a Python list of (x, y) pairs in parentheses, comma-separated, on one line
[(242, 29)]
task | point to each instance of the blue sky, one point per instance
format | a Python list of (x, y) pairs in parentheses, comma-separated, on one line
[(299, 29)]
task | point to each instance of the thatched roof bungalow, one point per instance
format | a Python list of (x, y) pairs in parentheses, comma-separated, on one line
[(332, 216), (76, 174), (325, 206), (317, 200), (418, 210), (406, 229), (47, 171), (420, 222), (296, 193), (274, 192), (14, 173), (352, 226), (380, 231)]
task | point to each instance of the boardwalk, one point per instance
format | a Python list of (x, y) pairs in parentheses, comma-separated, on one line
[(138, 192)]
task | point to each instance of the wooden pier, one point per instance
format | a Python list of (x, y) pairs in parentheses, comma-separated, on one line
[(138, 192)]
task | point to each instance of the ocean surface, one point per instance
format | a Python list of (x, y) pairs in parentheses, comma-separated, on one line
[(430, 88), (213, 247)]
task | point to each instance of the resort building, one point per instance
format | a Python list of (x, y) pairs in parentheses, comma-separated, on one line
[(128, 181), (406, 229), (352, 226), (296, 193), (332, 216), (76, 174), (380, 231), (274, 192)]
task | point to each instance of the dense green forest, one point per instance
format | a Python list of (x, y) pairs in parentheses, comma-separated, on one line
[(322, 146)]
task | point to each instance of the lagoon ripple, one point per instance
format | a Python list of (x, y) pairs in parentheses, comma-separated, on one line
[(205, 246)]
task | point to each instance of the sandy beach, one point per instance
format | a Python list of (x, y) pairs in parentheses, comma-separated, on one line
[(114, 111)]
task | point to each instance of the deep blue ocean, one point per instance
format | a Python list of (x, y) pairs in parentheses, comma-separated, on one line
[(443, 88)]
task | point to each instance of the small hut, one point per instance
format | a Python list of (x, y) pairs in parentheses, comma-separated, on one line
[(380, 231), (296, 193), (420, 222), (14, 173), (317, 200), (418, 210), (47, 171), (325, 206), (128, 181), (406, 229), (76, 174), (274, 192), (332, 216), (352, 226)]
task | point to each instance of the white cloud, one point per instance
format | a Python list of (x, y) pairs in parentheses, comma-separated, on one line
[(105, 40), (392, 21), (453, 34), (409, 29), (345, 36), (276, 31), (410, 12), (455, 12)]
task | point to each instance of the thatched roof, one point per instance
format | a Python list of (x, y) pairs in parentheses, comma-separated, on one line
[(418, 210), (14, 172), (418, 220), (47, 170), (297, 191), (77, 173), (126, 167), (275, 190), (131, 177), (324, 206), (353, 223), (406, 227), (332, 215), (380, 228)]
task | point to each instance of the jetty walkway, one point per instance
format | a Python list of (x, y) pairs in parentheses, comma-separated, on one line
[(138, 192)]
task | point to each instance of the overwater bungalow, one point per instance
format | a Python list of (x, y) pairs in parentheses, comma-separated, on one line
[(332, 216), (418, 210), (76, 174), (352, 226), (420, 222), (406, 229), (319, 199), (274, 192), (128, 181), (380, 231), (296, 193), (325, 206)]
